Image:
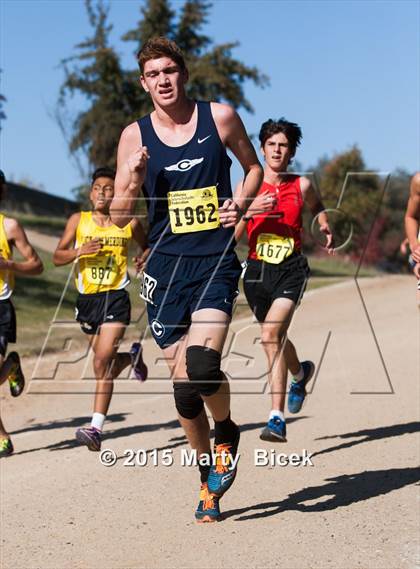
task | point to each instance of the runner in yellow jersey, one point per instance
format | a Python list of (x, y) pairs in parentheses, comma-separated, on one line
[(11, 235), (100, 249)]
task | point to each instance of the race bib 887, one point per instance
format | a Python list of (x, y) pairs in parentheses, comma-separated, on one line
[(102, 270)]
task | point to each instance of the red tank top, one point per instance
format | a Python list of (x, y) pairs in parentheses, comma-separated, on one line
[(285, 220)]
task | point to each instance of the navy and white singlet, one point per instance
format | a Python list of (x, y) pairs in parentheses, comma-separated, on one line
[(184, 187)]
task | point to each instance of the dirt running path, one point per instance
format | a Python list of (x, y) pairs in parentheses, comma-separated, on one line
[(356, 507)]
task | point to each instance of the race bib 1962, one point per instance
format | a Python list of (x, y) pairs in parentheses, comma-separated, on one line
[(193, 210), (273, 248)]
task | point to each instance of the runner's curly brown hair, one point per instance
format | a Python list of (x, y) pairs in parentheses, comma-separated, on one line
[(291, 131), (160, 47)]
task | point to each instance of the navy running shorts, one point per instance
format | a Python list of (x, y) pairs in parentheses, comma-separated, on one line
[(174, 287)]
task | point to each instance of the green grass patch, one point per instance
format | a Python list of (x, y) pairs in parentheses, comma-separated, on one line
[(334, 266)]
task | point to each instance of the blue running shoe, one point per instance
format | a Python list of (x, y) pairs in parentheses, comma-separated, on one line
[(297, 392), (208, 508), (223, 473), (274, 431)]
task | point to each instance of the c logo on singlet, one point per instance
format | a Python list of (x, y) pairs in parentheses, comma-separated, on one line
[(158, 328), (184, 165)]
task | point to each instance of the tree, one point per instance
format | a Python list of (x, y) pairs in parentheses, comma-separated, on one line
[(2, 113), (156, 20), (214, 73), (112, 94), (345, 183), (95, 72)]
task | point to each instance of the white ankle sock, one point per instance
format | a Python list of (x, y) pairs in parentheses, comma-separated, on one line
[(98, 421), (276, 413)]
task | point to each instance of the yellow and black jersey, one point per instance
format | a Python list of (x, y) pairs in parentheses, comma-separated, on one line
[(107, 269), (7, 278)]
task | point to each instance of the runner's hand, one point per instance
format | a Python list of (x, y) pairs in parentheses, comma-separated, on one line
[(265, 201), (229, 213), (140, 261), (404, 246), (4, 264), (137, 165), (415, 253), (325, 229), (416, 270), (89, 248)]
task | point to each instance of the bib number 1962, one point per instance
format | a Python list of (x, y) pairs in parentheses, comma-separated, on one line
[(193, 210)]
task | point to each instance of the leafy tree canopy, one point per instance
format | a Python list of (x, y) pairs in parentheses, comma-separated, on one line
[(111, 93)]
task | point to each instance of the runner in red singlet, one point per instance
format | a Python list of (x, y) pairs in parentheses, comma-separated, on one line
[(412, 229), (277, 272)]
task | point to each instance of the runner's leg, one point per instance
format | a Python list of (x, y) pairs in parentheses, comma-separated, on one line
[(274, 329), (197, 430), (108, 363)]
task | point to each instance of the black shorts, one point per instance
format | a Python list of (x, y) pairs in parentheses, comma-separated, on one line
[(93, 310), (7, 324), (264, 282), (176, 286)]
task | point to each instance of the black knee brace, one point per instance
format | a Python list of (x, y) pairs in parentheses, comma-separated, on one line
[(187, 400), (203, 368)]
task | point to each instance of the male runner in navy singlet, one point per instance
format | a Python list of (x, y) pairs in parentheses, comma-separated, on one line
[(177, 155)]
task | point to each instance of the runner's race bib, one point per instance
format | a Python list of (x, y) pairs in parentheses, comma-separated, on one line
[(101, 270), (273, 248), (147, 287), (193, 210)]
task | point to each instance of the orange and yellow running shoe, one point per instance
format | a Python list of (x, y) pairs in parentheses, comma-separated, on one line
[(208, 507), (223, 471)]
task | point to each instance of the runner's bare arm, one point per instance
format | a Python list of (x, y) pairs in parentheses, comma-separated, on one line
[(65, 253), (412, 217), (265, 201), (240, 227), (131, 172), (311, 198), (140, 238), (233, 134), (139, 234), (32, 265)]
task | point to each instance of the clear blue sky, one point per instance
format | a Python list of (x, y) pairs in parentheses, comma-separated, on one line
[(347, 72)]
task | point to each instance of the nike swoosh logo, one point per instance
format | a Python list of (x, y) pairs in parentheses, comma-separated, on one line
[(201, 140)]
